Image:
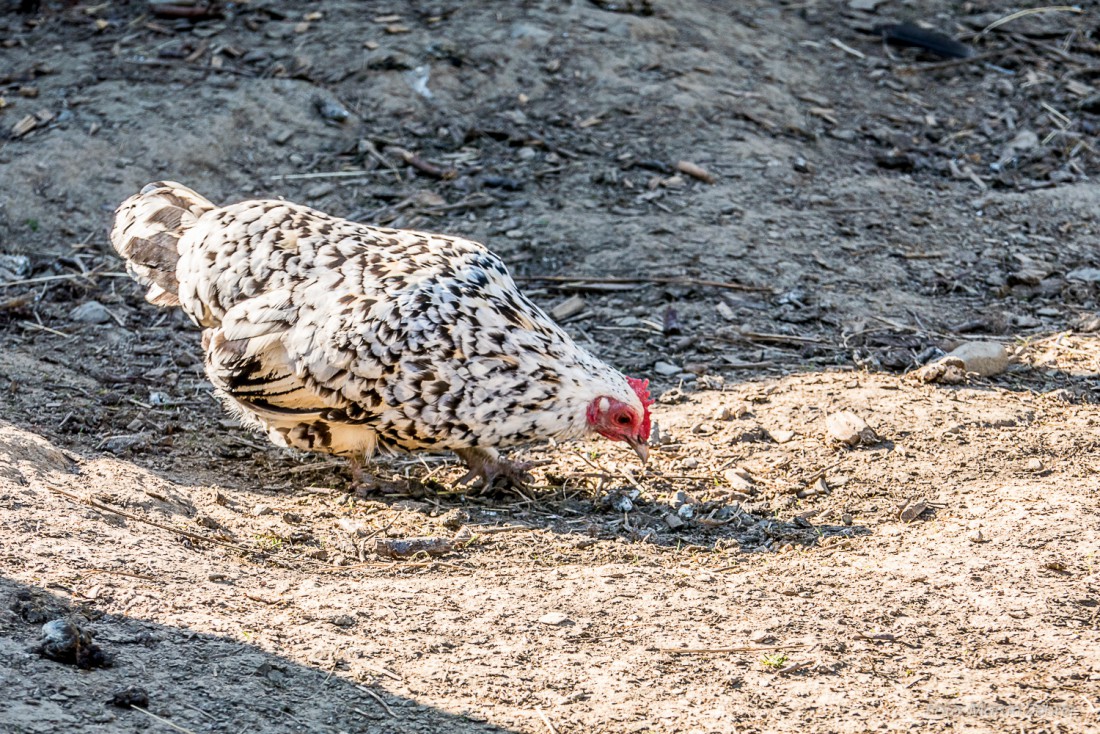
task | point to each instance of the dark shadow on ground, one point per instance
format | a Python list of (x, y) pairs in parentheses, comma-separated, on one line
[(200, 682)]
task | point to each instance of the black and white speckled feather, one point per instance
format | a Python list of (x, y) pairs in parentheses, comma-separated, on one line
[(345, 338)]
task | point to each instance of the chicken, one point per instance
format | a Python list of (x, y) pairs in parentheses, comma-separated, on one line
[(338, 337)]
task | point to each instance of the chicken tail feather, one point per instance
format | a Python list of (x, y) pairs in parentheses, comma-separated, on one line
[(147, 230)]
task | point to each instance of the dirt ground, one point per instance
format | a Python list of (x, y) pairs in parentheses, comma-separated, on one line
[(869, 207)]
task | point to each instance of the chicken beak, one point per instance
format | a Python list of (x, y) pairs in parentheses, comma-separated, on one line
[(640, 449)]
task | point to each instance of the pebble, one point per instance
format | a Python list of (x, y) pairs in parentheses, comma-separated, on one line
[(555, 619), (666, 369), (344, 620), (977, 537), (454, 519), (673, 521), (739, 480), (623, 504), (352, 526), (1034, 465), (14, 267), (690, 463), (1088, 275), (331, 110), (259, 510), (91, 312), (781, 436), (849, 429)]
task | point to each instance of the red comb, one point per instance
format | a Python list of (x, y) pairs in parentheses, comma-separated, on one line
[(641, 389)]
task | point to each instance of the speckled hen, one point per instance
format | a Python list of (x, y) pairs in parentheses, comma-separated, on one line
[(344, 338)]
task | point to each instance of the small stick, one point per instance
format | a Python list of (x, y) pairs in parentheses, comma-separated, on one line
[(913, 69), (847, 49), (778, 338), (695, 171), (546, 720), (104, 508), (40, 327), (377, 698), (1030, 11), (322, 174), (706, 650), (794, 666), (45, 278), (483, 530), (645, 281), (619, 474), (162, 720), (469, 202), (430, 169), (255, 597)]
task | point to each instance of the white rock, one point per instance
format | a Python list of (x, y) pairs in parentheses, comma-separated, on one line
[(623, 504), (555, 619), (780, 436), (350, 525), (1088, 275), (666, 369), (849, 429), (739, 479), (984, 358), (1024, 140), (14, 267), (92, 312)]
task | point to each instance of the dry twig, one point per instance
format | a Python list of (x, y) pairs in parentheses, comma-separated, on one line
[(707, 650), (646, 281)]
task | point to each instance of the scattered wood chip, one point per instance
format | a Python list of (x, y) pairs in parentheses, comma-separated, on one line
[(424, 166), (878, 637), (568, 308), (695, 171), (794, 667), (912, 509), (24, 126)]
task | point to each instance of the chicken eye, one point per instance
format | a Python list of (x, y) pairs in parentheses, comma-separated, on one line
[(623, 419)]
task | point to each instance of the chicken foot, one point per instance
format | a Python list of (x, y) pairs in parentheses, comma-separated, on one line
[(486, 464)]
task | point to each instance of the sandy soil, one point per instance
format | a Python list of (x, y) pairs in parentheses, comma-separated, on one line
[(871, 207)]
